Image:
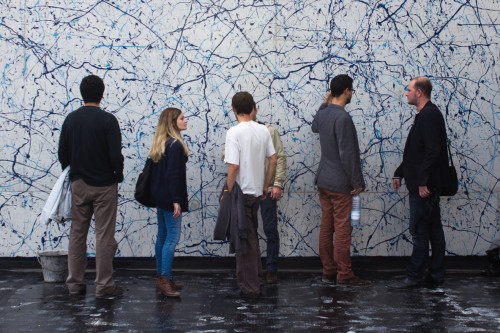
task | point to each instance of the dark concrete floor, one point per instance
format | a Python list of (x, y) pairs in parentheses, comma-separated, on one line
[(468, 302)]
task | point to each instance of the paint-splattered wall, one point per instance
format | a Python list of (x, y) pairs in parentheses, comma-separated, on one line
[(196, 54)]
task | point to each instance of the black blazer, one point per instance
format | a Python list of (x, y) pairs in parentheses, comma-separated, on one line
[(425, 158), (168, 184)]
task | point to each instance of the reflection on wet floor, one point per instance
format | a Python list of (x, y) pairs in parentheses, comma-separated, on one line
[(210, 303)]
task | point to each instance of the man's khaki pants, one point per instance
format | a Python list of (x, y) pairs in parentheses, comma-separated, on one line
[(102, 203)]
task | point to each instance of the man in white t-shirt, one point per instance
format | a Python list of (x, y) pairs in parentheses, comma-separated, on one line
[(247, 146)]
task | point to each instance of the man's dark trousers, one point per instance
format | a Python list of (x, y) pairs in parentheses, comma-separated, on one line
[(269, 213), (425, 227), (249, 266)]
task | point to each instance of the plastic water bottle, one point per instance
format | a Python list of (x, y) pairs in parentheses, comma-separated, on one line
[(356, 210)]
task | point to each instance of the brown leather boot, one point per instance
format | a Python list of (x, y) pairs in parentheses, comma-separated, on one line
[(177, 286), (167, 287), (158, 279)]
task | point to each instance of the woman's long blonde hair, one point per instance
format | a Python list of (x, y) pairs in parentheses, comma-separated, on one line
[(166, 129)]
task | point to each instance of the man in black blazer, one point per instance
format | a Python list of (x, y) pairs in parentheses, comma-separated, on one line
[(425, 161)]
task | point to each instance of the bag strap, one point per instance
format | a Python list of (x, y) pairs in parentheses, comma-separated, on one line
[(449, 153), (448, 144)]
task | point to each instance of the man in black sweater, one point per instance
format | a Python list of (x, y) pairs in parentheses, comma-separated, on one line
[(90, 143), (425, 161)]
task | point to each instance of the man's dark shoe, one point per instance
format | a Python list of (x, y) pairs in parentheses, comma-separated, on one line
[(354, 282), (78, 290), (329, 279), (250, 295), (407, 283), (271, 277), (112, 291), (431, 283), (238, 294)]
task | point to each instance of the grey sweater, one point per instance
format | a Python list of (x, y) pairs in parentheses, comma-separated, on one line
[(340, 165), (231, 222)]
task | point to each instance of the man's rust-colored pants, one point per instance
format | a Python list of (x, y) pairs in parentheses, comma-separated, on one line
[(102, 203), (335, 253)]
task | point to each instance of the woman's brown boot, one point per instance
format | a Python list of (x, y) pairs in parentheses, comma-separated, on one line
[(167, 287), (177, 286), (158, 280)]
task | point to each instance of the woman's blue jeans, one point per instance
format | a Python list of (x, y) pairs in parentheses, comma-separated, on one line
[(169, 232)]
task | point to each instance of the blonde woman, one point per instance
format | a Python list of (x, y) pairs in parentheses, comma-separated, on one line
[(169, 192)]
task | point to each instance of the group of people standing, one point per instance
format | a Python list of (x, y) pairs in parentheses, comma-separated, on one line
[(90, 143)]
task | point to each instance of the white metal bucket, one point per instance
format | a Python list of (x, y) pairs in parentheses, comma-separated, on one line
[(54, 265)]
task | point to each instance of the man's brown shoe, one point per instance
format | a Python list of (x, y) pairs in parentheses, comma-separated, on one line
[(271, 277), (77, 290), (354, 281), (115, 290), (329, 279)]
